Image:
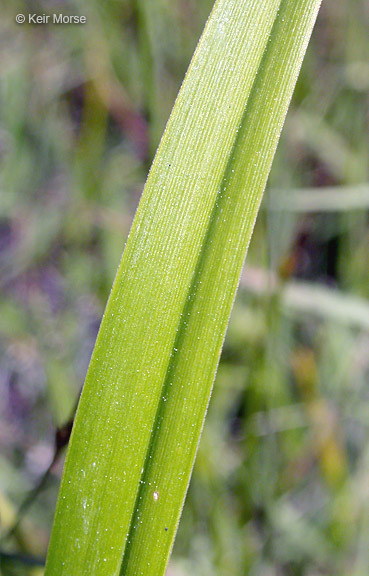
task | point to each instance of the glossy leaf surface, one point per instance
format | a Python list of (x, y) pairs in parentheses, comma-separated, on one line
[(148, 385)]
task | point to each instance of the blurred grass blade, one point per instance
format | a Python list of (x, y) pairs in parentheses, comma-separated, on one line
[(149, 381), (330, 199), (309, 298)]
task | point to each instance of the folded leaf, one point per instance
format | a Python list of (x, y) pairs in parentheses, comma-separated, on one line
[(148, 385)]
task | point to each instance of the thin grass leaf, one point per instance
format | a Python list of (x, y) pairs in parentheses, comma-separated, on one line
[(148, 385), (330, 199), (311, 299)]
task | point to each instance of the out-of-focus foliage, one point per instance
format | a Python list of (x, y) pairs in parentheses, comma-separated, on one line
[(281, 481)]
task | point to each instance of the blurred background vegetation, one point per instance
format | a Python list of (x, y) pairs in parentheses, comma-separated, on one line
[(281, 482)]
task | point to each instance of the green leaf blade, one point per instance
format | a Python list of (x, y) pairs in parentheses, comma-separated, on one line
[(150, 377)]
